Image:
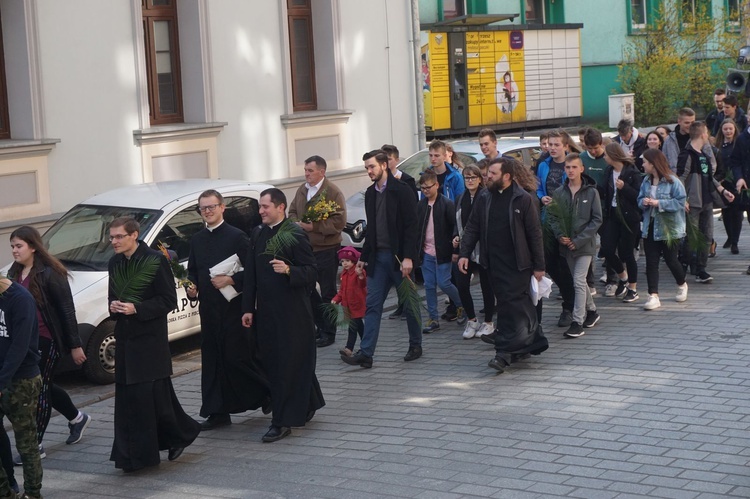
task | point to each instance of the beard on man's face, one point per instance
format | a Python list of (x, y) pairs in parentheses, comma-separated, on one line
[(496, 185)]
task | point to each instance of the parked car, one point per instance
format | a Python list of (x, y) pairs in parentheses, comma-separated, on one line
[(167, 213), (468, 151)]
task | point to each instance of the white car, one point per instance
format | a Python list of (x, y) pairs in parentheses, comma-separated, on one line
[(167, 213), (524, 150)]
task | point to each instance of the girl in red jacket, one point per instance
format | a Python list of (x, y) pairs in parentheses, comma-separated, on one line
[(352, 296)]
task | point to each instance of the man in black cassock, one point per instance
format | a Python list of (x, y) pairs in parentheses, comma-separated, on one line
[(148, 416), (278, 279), (231, 379), (505, 223)]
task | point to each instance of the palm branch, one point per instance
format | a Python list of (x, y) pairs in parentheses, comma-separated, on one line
[(284, 239), (559, 215), (667, 222), (130, 278), (337, 314), (696, 240), (178, 271), (409, 298)]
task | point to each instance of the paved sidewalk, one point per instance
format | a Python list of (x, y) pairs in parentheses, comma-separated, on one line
[(646, 404)]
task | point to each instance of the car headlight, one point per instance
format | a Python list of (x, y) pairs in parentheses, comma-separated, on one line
[(357, 230)]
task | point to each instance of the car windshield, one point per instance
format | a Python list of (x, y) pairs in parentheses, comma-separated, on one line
[(80, 239), (419, 162)]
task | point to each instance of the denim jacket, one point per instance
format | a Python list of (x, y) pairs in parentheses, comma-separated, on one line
[(671, 206)]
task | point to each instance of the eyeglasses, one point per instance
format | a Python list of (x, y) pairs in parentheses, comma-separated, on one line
[(208, 207), (118, 237), (470, 179), (427, 187)]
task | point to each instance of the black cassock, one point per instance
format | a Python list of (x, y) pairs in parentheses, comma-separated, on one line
[(231, 378), (284, 322), (148, 415)]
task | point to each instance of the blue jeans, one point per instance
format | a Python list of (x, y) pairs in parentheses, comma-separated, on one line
[(437, 274), (381, 277)]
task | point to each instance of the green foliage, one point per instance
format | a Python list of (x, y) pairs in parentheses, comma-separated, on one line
[(285, 238), (559, 217), (696, 240), (130, 278), (678, 61), (335, 313), (408, 297)]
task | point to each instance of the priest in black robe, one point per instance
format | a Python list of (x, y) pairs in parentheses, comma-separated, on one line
[(505, 223), (232, 380), (148, 415), (279, 273)]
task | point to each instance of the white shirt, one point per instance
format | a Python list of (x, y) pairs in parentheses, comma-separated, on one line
[(312, 190), (615, 176), (211, 229)]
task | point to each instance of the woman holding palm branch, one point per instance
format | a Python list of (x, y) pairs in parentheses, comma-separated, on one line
[(662, 199)]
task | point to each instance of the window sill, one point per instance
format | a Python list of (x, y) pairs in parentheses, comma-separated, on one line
[(26, 147), (311, 118), (180, 131)]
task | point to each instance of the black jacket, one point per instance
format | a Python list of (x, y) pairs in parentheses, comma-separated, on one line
[(627, 197), (740, 157), (403, 226), (57, 307), (142, 352), (638, 148), (525, 229), (444, 221)]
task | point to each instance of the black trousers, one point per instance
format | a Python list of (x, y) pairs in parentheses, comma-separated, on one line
[(328, 265), (356, 328), (654, 250), (558, 270), (463, 283), (732, 218), (51, 395), (619, 238)]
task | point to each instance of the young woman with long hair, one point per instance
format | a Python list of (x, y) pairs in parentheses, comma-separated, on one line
[(474, 329), (622, 217), (47, 281), (662, 199), (654, 140), (731, 215)]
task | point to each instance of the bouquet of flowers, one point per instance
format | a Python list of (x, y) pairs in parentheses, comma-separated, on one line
[(321, 210), (178, 271)]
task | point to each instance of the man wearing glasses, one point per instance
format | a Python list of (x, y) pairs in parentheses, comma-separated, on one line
[(437, 222), (231, 380)]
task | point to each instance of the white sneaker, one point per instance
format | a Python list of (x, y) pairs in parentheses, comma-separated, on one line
[(610, 290), (471, 329), (681, 293), (485, 329), (603, 278), (652, 303)]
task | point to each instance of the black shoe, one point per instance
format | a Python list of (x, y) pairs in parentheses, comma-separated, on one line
[(498, 364), (703, 277), (309, 417), (358, 360), (735, 250), (450, 315), (396, 314), (216, 421), (727, 244), (489, 338), (413, 354), (566, 317), (574, 331), (324, 341), (747, 271), (267, 407), (175, 452), (622, 288), (712, 249), (631, 295), (520, 356), (592, 317), (275, 433)]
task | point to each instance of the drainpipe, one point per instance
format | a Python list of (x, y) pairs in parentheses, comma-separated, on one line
[(416, 45)]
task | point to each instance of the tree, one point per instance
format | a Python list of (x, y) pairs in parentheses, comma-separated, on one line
[(679, 61)]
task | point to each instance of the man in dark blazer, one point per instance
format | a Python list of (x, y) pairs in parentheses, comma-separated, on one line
[(148, 416), (390, 251)]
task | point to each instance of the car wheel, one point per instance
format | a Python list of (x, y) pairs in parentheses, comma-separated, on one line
[(100, 353)]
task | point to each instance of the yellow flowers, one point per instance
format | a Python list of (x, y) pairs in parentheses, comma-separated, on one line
[(321, 210)]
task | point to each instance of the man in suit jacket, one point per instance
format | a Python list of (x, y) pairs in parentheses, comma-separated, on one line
[(390, 251)]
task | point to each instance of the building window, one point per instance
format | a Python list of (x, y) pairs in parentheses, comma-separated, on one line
[(692, 10), (534, 11), (733, 14), (638, 14), (302, 55), (453, 9), (162, 61), (4, 121)]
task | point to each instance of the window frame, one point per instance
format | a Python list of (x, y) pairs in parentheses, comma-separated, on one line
[(695, 5), (632, 25), (651, 8), (733, 26), (542, 6), (150, 15), (4, 111), (303, 13), (460, 6)]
